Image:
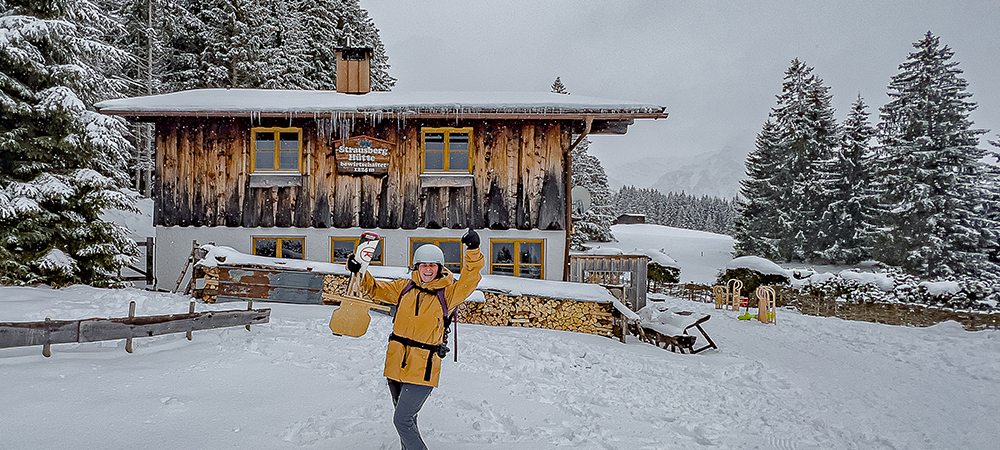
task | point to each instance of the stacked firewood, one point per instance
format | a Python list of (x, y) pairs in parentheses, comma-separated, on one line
[(334, 284), (501, 309), (211, 290)]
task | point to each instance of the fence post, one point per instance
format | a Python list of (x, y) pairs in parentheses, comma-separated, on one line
[(149, 261), (131, 314)]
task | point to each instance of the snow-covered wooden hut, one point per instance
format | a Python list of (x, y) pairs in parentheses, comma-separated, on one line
[(300, 174), (624, 274)]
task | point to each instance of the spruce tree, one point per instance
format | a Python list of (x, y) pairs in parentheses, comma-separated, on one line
[(757, 225), (935, 188), (808, 137), (61, 163), (850, 216), (558, 87), (595, 223)]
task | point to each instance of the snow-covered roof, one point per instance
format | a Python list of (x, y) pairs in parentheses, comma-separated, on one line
[(267, 102), (655, 256), (758, 264)]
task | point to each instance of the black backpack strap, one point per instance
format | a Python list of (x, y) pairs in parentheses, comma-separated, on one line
[(450, 317)]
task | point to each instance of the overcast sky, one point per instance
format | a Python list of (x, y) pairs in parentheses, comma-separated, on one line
[(715, 65)]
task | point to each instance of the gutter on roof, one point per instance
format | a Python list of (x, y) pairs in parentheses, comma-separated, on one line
[(394, 114)]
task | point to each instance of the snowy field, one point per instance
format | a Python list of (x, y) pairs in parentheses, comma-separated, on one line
[(805, 383), (699, 253)]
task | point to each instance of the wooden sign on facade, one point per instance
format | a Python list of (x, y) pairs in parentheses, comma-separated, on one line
[(362, 155)]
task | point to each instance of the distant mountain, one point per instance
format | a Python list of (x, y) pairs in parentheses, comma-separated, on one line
[(717, 174), (641, 173)]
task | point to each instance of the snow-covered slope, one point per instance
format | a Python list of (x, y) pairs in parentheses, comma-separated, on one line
[(700, 254), (805, 383)]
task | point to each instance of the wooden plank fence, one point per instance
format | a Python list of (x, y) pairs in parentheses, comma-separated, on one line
[(689, 291), (48, 332)]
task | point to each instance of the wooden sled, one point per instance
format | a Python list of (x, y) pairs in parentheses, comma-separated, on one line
[(697, 324), (351, 317)]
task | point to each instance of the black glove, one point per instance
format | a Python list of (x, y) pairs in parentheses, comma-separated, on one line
[(471, 239), (352, 264)]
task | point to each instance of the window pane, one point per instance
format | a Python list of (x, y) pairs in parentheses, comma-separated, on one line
[(433, 161), (529, 271), (377, 257), (265, 247), (458, 161), (452, 254), (531, 253), (289, 141), (503, 253), (341, 250), (264, 161), (265, 140), (502, 269), (458, 142), (434, 142), (289, 161), (291, 249)]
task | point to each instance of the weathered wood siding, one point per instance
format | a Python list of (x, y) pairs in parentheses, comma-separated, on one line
[(635, 291), (203, 178)]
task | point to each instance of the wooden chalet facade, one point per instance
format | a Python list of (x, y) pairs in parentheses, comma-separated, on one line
[(300, 174)]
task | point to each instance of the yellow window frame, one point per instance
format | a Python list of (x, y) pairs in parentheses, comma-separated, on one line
[(455, 264), (355, 241), (279, 240), (276, 151), (516, 265), (446, 131)]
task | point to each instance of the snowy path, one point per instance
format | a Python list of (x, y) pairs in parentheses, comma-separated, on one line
[(807, 383)]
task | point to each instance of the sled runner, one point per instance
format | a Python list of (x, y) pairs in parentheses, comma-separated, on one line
[(351, 318)]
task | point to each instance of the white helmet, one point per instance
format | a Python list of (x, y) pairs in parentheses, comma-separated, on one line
[(428, 253)]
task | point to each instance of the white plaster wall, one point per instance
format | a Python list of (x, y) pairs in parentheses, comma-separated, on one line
[(173, 245)]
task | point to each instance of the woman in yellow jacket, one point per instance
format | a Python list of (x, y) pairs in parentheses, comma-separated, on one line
[(416, 345)]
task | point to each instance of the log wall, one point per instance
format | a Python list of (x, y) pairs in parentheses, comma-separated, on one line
[(518, 178)]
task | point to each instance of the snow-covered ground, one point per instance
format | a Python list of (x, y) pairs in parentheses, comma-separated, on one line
[(699, 253), (805, 383)]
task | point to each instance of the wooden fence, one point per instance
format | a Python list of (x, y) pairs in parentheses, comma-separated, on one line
[(48, 332), (689, 291)]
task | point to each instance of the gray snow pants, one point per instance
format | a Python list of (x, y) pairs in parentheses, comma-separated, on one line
[(408, 399)]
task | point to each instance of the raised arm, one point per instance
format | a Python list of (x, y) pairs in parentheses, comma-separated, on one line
[(474, 263)]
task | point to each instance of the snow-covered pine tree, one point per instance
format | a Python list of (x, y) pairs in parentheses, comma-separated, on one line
[(141, 35), (595, 223), (991, 208), (238, 40), (61, 163), (757, 226), (271, 44), (586, 171), (934, 185), (558, 87), (808, 136), (850, 217)]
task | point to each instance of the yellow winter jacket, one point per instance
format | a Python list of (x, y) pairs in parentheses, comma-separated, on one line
[(419, 317)]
